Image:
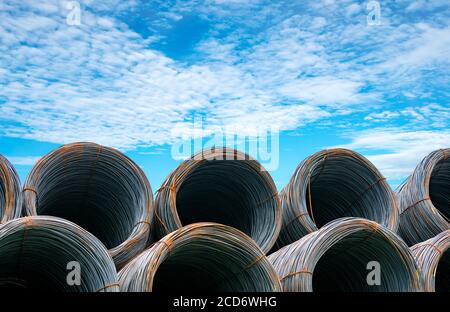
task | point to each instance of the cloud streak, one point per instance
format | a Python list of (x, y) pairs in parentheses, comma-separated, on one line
[(23, 160), (101, 82), (396, 152), (286, 65)]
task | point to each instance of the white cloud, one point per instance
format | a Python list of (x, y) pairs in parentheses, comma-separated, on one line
[(423, 50), (415, 5), (34, 22), (100, 82), (172, 16), (383, 116), (23, 160), (429, 115), (396, 152), (425, 5), (324, 90), (353, 9), (103, 82)]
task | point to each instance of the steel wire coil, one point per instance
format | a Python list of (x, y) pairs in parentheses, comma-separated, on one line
[(425, 199), (201, 257), (336, 258), (332, 184), (224, 186), (97, 188), (36, 254), (10, 195), (433, 259)]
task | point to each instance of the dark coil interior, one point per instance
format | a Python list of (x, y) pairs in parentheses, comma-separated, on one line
[(227, 192), (343, 268), (101, 194), (345, 187), (440, 187)]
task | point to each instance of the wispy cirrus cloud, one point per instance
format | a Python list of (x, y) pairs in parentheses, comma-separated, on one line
[(258, 64), (420, 116), (23, 160), (101, 81), (396, 151)]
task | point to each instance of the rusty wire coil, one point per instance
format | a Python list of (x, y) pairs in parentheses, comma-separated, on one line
[(201, 257), (97, 188), (336, 258), (225, 186), (433, 259), (37, 253), (425, 199), (332, 184), (10, 196)]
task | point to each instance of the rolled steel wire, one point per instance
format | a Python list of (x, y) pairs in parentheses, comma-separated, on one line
[(224, 186), (201, 257), (336, 258), (425, 199), (97, 188), (36, 254), (10, 196), (332, 184), (433, 259)]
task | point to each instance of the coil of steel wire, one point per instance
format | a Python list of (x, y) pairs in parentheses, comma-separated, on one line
[(433, 259), (200, 257), (42, 253), (97, 188), (425, 199), (10, 196), (331, 184), (224, 186), (339, 257)]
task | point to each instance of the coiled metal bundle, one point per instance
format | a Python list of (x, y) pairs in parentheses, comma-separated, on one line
[(10, 197), (37, 253), (201, 257), (433, 259), (340, 256), (332, 184), (97, 188), (225, 186), (425, 199)]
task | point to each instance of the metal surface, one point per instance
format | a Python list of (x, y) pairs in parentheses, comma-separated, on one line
[(336, 258), (223, 186), (97, 188), (10, 192), (433, 259), (201, 257), (35, 253), (425, 199), (332, 184)]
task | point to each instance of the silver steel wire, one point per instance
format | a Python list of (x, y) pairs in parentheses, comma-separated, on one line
[(336, 257), (433, 259), (97, 188), (220, 185), (331, 184), (10, 193), (201, 257), (425, 199), (35, 253)]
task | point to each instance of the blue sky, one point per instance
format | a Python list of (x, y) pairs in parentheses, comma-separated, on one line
[(133, 75)]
